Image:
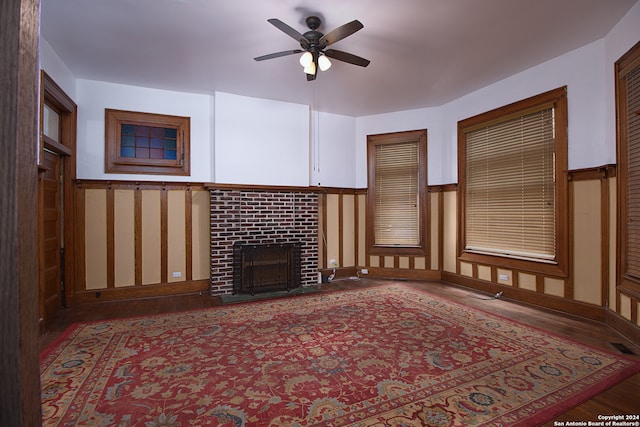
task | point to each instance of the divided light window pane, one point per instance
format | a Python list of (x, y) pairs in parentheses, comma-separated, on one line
[(397, 209), (510, 190), (147, 142)]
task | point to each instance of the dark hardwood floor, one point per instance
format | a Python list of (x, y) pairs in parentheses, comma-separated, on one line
[(621, 399)]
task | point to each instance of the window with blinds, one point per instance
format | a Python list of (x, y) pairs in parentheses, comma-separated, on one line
[(397, 217), (397, 182), (628, 112), (633, 177), (510, 198), (512, 186)]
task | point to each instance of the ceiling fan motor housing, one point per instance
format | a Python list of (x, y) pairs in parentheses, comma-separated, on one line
[(312, 37)]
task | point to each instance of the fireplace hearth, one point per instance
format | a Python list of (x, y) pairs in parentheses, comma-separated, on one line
[(265, 268)]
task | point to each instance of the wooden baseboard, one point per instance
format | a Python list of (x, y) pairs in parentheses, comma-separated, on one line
[(577, 308), (402, 273), (341, 272), (143, 291), (623, 326)]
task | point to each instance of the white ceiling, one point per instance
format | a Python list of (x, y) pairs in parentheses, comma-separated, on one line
[(423, 52)]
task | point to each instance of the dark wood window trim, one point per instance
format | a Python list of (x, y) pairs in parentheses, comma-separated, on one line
[(627, 64), (558, 267), (115, 163), (422, 249)]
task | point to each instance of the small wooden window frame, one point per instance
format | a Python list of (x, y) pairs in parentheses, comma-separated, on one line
[(115, 163)]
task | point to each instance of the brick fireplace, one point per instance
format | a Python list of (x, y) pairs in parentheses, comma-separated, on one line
[(261, 217)]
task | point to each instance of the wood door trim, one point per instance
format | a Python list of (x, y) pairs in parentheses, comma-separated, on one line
[(52, 94)]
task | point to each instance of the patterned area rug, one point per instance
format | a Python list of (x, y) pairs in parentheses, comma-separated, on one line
[(387, 356)]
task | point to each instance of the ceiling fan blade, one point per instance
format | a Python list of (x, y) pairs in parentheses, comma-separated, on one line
[(347, 57), (340, 33), (278, 54), (289, 31)]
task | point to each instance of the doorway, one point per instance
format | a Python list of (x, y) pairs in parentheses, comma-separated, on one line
[(56, 216), (51, 235)]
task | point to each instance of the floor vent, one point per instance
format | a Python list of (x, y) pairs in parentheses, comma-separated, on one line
[(622, 348)]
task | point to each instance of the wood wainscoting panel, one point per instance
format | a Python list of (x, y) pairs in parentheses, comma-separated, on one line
[(124, 238), (403, 262), (374, 261), (95, 222), (484, 273), (527, 281), (625, 306), (466, 269), (435, 230), (362, 229), (450, 222), (587, 243), (200, 235), (134, 235), (554, 287), (151, 237), (348, 248), (332, 231), (420, 263), (389, 261)]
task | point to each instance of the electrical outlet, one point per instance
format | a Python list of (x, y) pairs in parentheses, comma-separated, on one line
[(503, 277), (177, 274)]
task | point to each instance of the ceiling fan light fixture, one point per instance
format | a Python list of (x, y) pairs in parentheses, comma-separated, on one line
[(324, 63), (306, 59), (312, 45), (310, 69)]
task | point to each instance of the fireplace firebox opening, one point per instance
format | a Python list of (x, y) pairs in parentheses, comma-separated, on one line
[(266, 267)]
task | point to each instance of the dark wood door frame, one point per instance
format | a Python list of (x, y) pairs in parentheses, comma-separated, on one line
[(52, 95), (20, 385)]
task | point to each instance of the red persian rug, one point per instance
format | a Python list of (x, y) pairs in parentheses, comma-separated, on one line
[(387, 356)]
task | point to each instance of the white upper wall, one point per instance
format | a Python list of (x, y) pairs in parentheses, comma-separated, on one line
[(258, 141), (92, 99), (424, 118), (582, 71), (333, 152), (51, 63)]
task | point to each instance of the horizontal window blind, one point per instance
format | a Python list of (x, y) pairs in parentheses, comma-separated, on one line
[(397, 203), (510, 189), (633, 179)]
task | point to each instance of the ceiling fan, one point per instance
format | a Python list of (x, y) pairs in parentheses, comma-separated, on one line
[(314, 44)]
